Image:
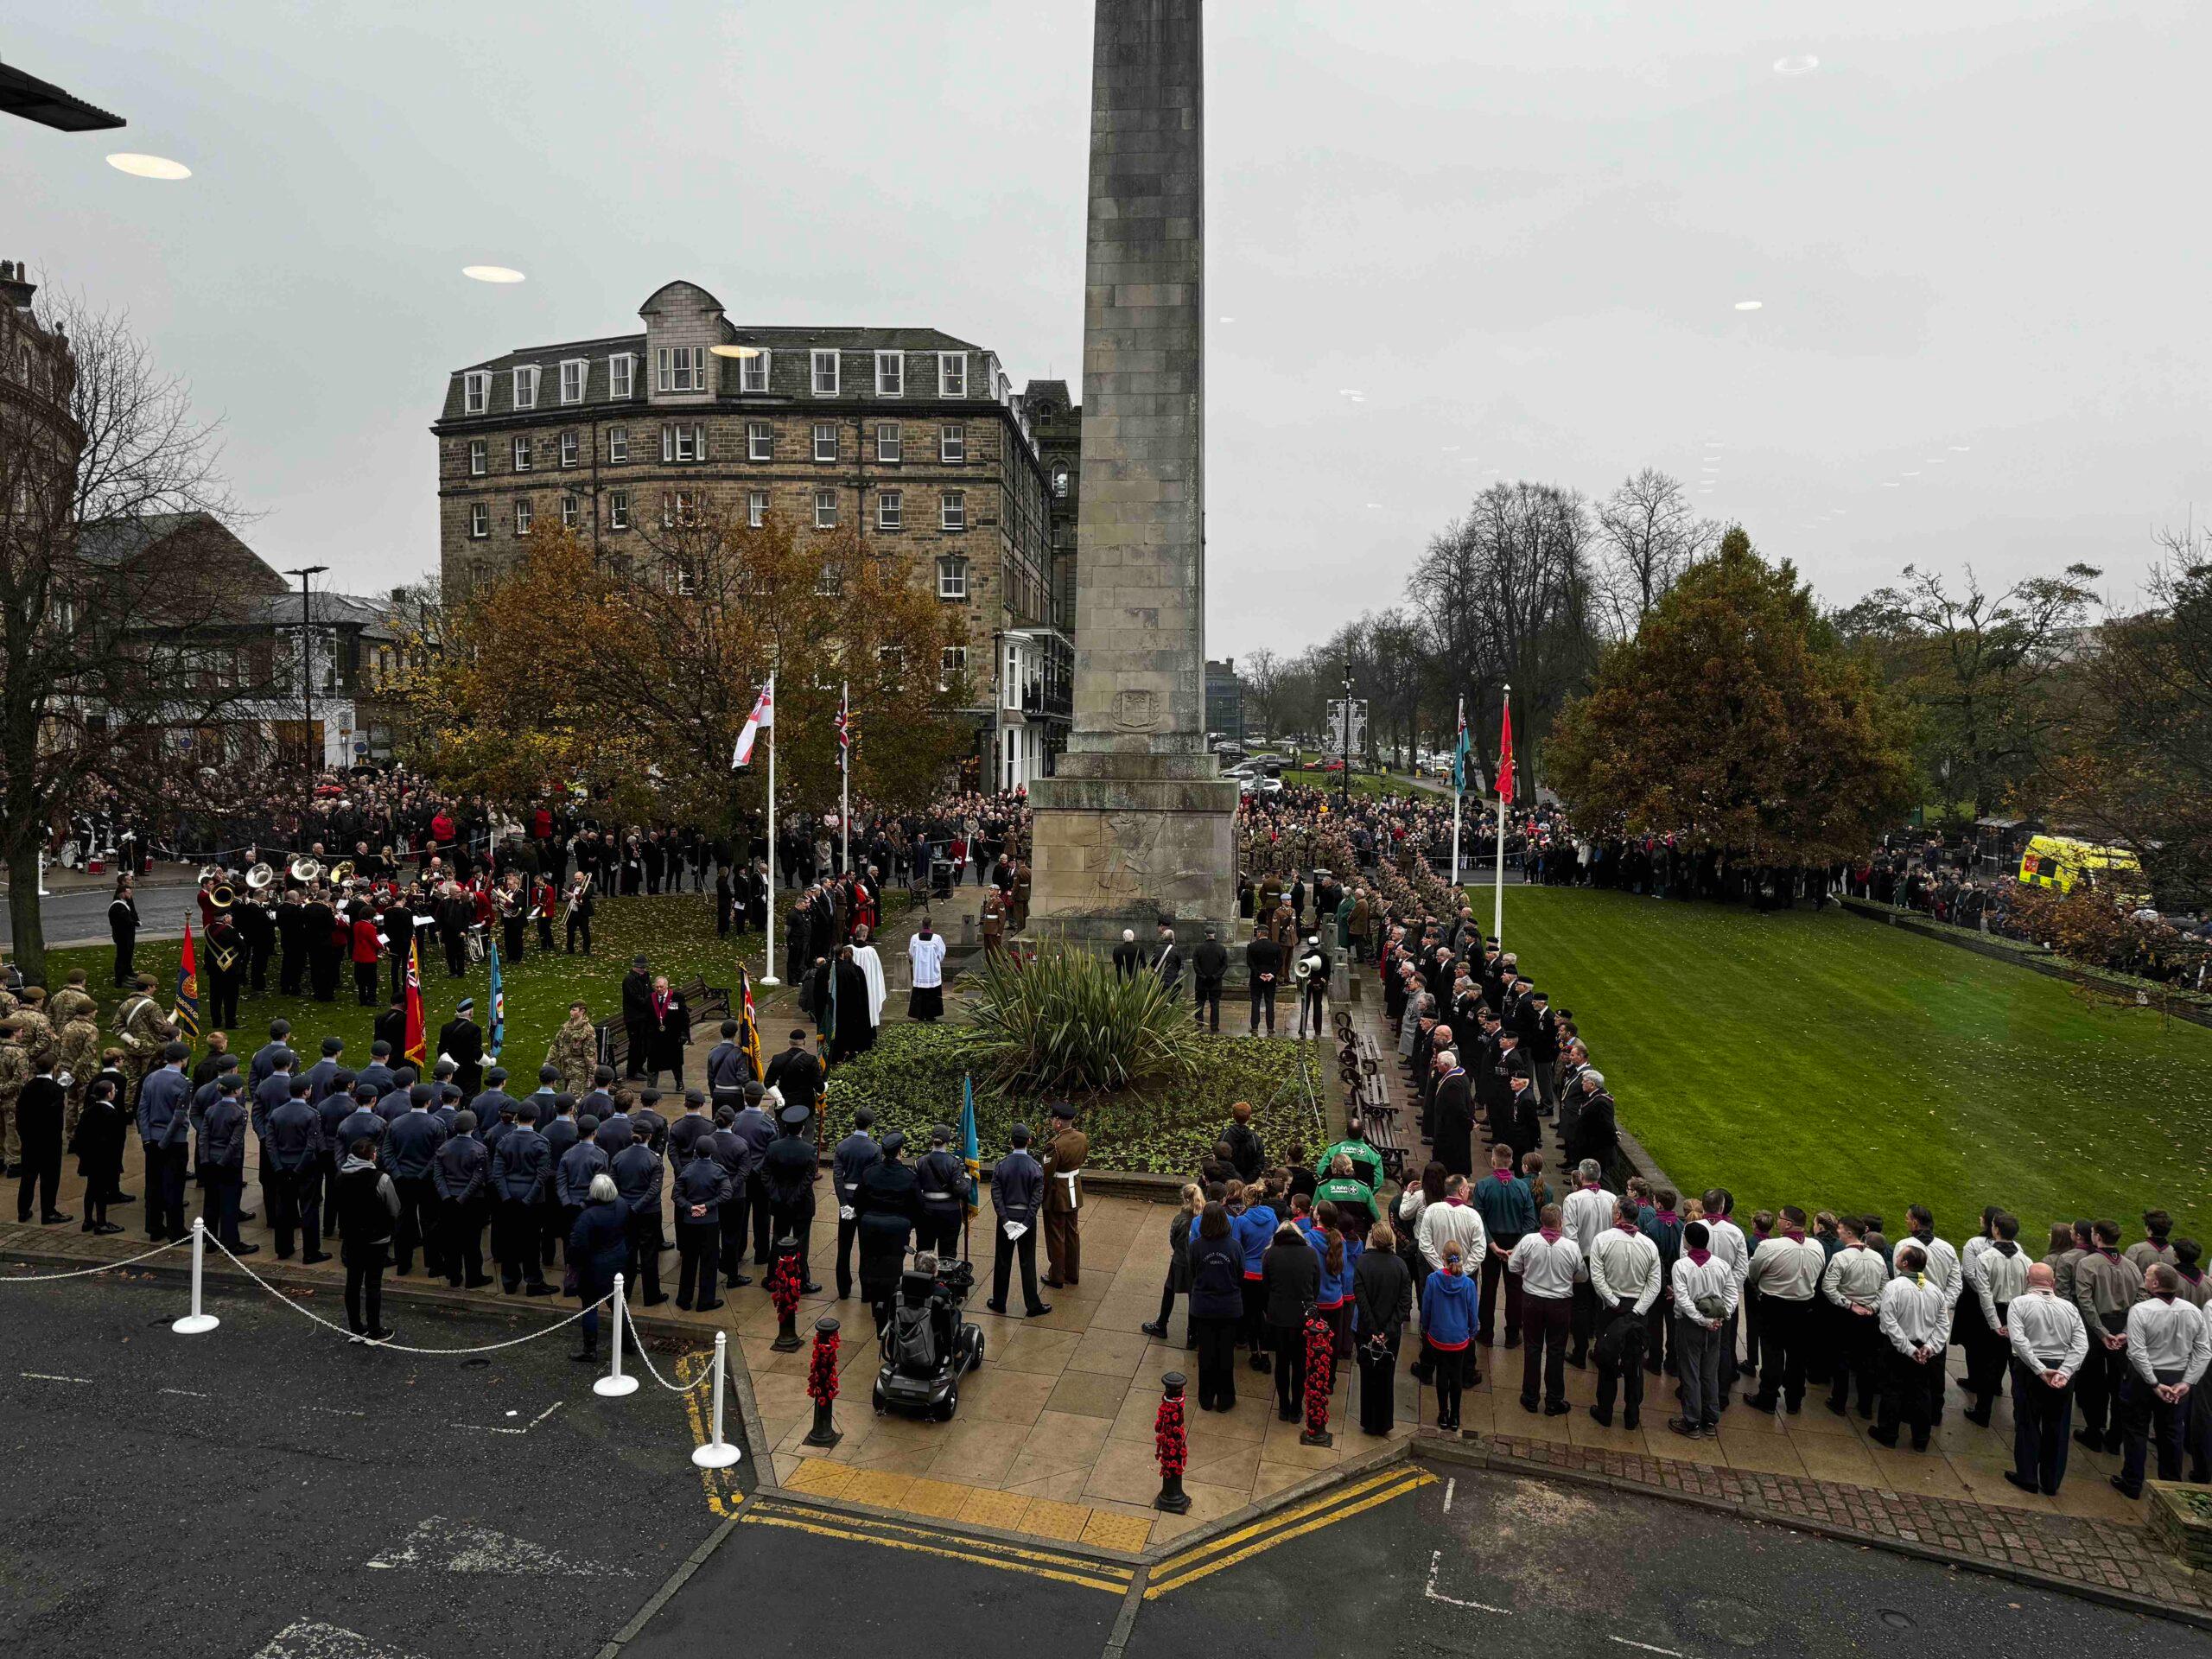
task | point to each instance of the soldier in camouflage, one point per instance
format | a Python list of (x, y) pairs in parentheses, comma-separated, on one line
[(575, 1052), (80, 1062), (144, 1030), (15, 1072)]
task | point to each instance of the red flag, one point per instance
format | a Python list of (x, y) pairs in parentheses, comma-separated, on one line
[(416, 1051), (1505, 756)]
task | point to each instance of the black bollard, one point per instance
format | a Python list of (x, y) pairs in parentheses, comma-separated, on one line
[(1172, 1446), (821, 1383)]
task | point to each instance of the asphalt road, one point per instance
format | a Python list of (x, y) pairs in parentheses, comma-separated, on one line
[(79, 916), (270, 1490)]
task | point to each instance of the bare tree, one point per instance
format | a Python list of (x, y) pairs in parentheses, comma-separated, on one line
[(1649, 535), (1504, 593), (111, 568), (1261, 672)]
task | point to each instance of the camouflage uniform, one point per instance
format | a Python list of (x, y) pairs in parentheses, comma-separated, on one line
[(36, 1032), (80, 1059), (574, 1054), (67, 1003), (144, 1032), (15, 1072)]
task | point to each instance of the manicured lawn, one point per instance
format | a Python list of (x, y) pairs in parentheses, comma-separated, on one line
[(675, 932), (1828, 1061)]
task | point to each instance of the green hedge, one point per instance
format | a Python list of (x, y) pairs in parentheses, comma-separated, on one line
[(911, 1079)]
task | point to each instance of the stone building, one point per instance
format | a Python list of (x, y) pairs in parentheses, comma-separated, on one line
[(40, 439), (910, 437)]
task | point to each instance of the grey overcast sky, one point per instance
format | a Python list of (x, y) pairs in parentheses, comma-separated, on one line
[(1450, 241)]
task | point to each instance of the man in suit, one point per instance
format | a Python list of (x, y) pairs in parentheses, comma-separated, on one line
[(461, 1041), (1167, 962), (1454, 1115), (795, 1074), (1263, 963), (1210, 967), (1129, 955), (638, 1015), (1597, 1136)]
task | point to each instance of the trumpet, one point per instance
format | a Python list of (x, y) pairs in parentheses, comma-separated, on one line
[(307, 870), (259, 878)]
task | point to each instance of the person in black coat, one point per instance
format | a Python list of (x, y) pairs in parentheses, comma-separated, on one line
[(788, 1169), (1597, 1134), (1382, 1292), (795, 1074), (460, 1040), (1290, 1279), (886, 1208), (637, 1014), (39, 1112), (1455, 1116), (123, 928), (598, 1244), (368, 1204), (668, 1028), (101, 1128)]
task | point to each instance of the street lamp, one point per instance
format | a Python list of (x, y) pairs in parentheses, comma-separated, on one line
[(306, 654), (1345, 782)]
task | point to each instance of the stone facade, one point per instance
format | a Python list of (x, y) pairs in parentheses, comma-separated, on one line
[(1137, 824), (912, 436)]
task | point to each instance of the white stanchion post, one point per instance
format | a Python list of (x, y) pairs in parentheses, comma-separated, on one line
[(198, 1322), (718, 1453), (614, 1384)]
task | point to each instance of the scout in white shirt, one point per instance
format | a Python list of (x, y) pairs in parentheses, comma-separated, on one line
[(1915, 1320), (1549, 1263), (2168, 1349), (2048, 1341)]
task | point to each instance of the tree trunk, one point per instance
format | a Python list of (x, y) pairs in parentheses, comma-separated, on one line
[(25, 917)]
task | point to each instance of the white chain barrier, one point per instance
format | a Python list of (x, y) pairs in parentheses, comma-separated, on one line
[(80, 1273)]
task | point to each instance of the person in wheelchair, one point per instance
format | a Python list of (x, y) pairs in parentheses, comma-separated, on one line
[(926, 1346)]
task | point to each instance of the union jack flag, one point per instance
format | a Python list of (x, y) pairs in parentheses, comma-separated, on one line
[(845, 722)]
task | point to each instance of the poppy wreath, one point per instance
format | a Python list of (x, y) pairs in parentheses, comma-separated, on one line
[(822, 1368), (1168, 1440), (1320, 1369), (784, 1283)]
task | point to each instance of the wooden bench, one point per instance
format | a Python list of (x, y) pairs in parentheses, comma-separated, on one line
[(1372, 1113), (710, 1004)]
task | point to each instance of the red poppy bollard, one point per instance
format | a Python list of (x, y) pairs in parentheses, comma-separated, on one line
[(1320, 1378), (821, 1383), (783, 1281), (1174, 1446)]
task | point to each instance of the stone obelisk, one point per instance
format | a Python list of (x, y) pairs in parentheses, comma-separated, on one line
[(1138, 826)]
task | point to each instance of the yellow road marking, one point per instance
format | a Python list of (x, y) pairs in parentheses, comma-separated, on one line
[(1162, 1587), (1176, 1563), (689, 1370), (872, 1525), (943, 1551)]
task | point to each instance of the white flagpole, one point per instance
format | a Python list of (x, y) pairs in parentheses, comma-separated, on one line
[(768, 962), (1497, 913), (845, 773), (1458, 787)]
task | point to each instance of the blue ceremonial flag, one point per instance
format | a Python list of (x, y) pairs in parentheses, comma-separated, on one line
[(499, 1002), (970, 1147), (1462, 754)]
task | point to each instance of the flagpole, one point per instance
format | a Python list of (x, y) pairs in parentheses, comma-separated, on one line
[(1458, 788), (768, 961), (1498, 912), (845, 772)]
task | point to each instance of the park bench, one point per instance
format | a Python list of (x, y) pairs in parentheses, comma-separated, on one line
[(1372, 1113)]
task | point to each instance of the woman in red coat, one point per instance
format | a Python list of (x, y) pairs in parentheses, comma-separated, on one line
[(367, 945)]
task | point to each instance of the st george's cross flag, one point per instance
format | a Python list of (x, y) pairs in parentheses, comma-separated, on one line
[(762, 717)]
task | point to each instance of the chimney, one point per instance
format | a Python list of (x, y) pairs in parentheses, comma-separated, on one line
[(14, 287)]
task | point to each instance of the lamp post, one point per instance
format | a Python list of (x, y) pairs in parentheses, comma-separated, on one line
[(1345, 782), (307, 657)]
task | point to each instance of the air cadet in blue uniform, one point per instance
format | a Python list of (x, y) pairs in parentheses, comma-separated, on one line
[(599, 1100), (461, 1174), (943, 1175), (410, 1147), (693, 1127), (733, 1155), (222, 1163), (572, 1175), (855, 1154), (728, 1070), (377, 1072), (333, 1108), (396, 1100), (494, 1099), (702, 1185), (519, 1168), (616, 1132), (756, 1130), (320, 1074), (1017, 1194), (645, 1122), (560, 1133), (787, 1170), (293, 1147), (637, 1174), (264, 1058), (164, 1129)]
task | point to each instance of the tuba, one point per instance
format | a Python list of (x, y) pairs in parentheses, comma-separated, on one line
[(307, 870), (259, 878), (341, 874)]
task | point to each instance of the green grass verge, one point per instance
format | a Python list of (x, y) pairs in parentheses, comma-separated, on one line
[(1367, 783), (1827, 1061), (675, 932), (911, 1079)]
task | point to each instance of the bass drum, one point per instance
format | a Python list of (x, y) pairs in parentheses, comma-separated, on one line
[(71, 856)]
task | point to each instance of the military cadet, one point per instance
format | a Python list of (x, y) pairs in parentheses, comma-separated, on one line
[(572, 1175), (80, 1059), (139, 1024), (333, 1109), (637, 1172), (787, 1170), (1064, 1156), (754, 1126), (264, 1058), (599, 1100), (519, 1167), (410, 1147), (575, 1050), (362, 1123), (560, 1136), (733, 1154), (616, 1131), (164, 1127), (37, 1033), (377, 1072), (222, 1165), (495, 1101), (292, 1146), (320, 1074), (702, 1186), (943, 1176), (15, 1072), (728, 1069), (272, 1092), (993, 919), (647, 1123), (687, 1132), (461, 1175), (851, 1160), (1017, 1192)]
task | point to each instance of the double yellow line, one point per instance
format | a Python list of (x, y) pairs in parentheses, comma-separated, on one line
[(1190, 1566), (1055, 1564)]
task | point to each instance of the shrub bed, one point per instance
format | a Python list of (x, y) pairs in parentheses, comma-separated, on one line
[(911, 1079)]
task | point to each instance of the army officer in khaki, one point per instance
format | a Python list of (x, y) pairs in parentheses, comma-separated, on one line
[(1065, 1154)]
